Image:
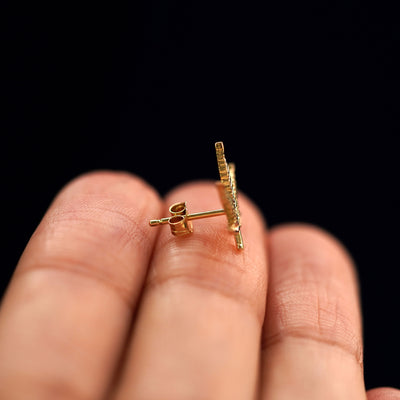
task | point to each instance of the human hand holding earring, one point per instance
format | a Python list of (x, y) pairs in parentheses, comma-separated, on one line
[(101, 306)]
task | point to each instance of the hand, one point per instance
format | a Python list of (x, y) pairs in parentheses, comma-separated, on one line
[(103, 306)]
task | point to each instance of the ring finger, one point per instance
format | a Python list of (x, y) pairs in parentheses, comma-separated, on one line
[(312, 346)]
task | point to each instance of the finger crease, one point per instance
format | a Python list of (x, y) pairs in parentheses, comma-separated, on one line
[(354, 349), (219, 287), (83, 270)]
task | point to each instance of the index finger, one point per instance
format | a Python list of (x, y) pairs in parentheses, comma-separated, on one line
[(66, 314)]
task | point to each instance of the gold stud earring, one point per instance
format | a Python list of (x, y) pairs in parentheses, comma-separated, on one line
[(180, 220)]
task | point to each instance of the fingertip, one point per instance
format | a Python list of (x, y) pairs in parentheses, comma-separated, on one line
[(306, 229), (383, 393), (104, 179), (98, 219), (309, 233), (317, 245)]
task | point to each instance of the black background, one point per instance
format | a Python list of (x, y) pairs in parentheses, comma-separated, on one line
[(303, 94)]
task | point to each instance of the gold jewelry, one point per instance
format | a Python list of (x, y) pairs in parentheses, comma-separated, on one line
[(180, 220)]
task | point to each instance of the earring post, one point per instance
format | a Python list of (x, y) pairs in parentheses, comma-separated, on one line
[(206, 214), (198, 215)]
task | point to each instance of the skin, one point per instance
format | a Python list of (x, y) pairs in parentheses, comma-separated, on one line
[(101, 306)]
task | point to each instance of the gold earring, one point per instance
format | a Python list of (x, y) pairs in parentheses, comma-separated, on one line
[(180, 220)]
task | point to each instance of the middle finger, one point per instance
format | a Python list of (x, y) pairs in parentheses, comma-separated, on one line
[(199, 324)]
